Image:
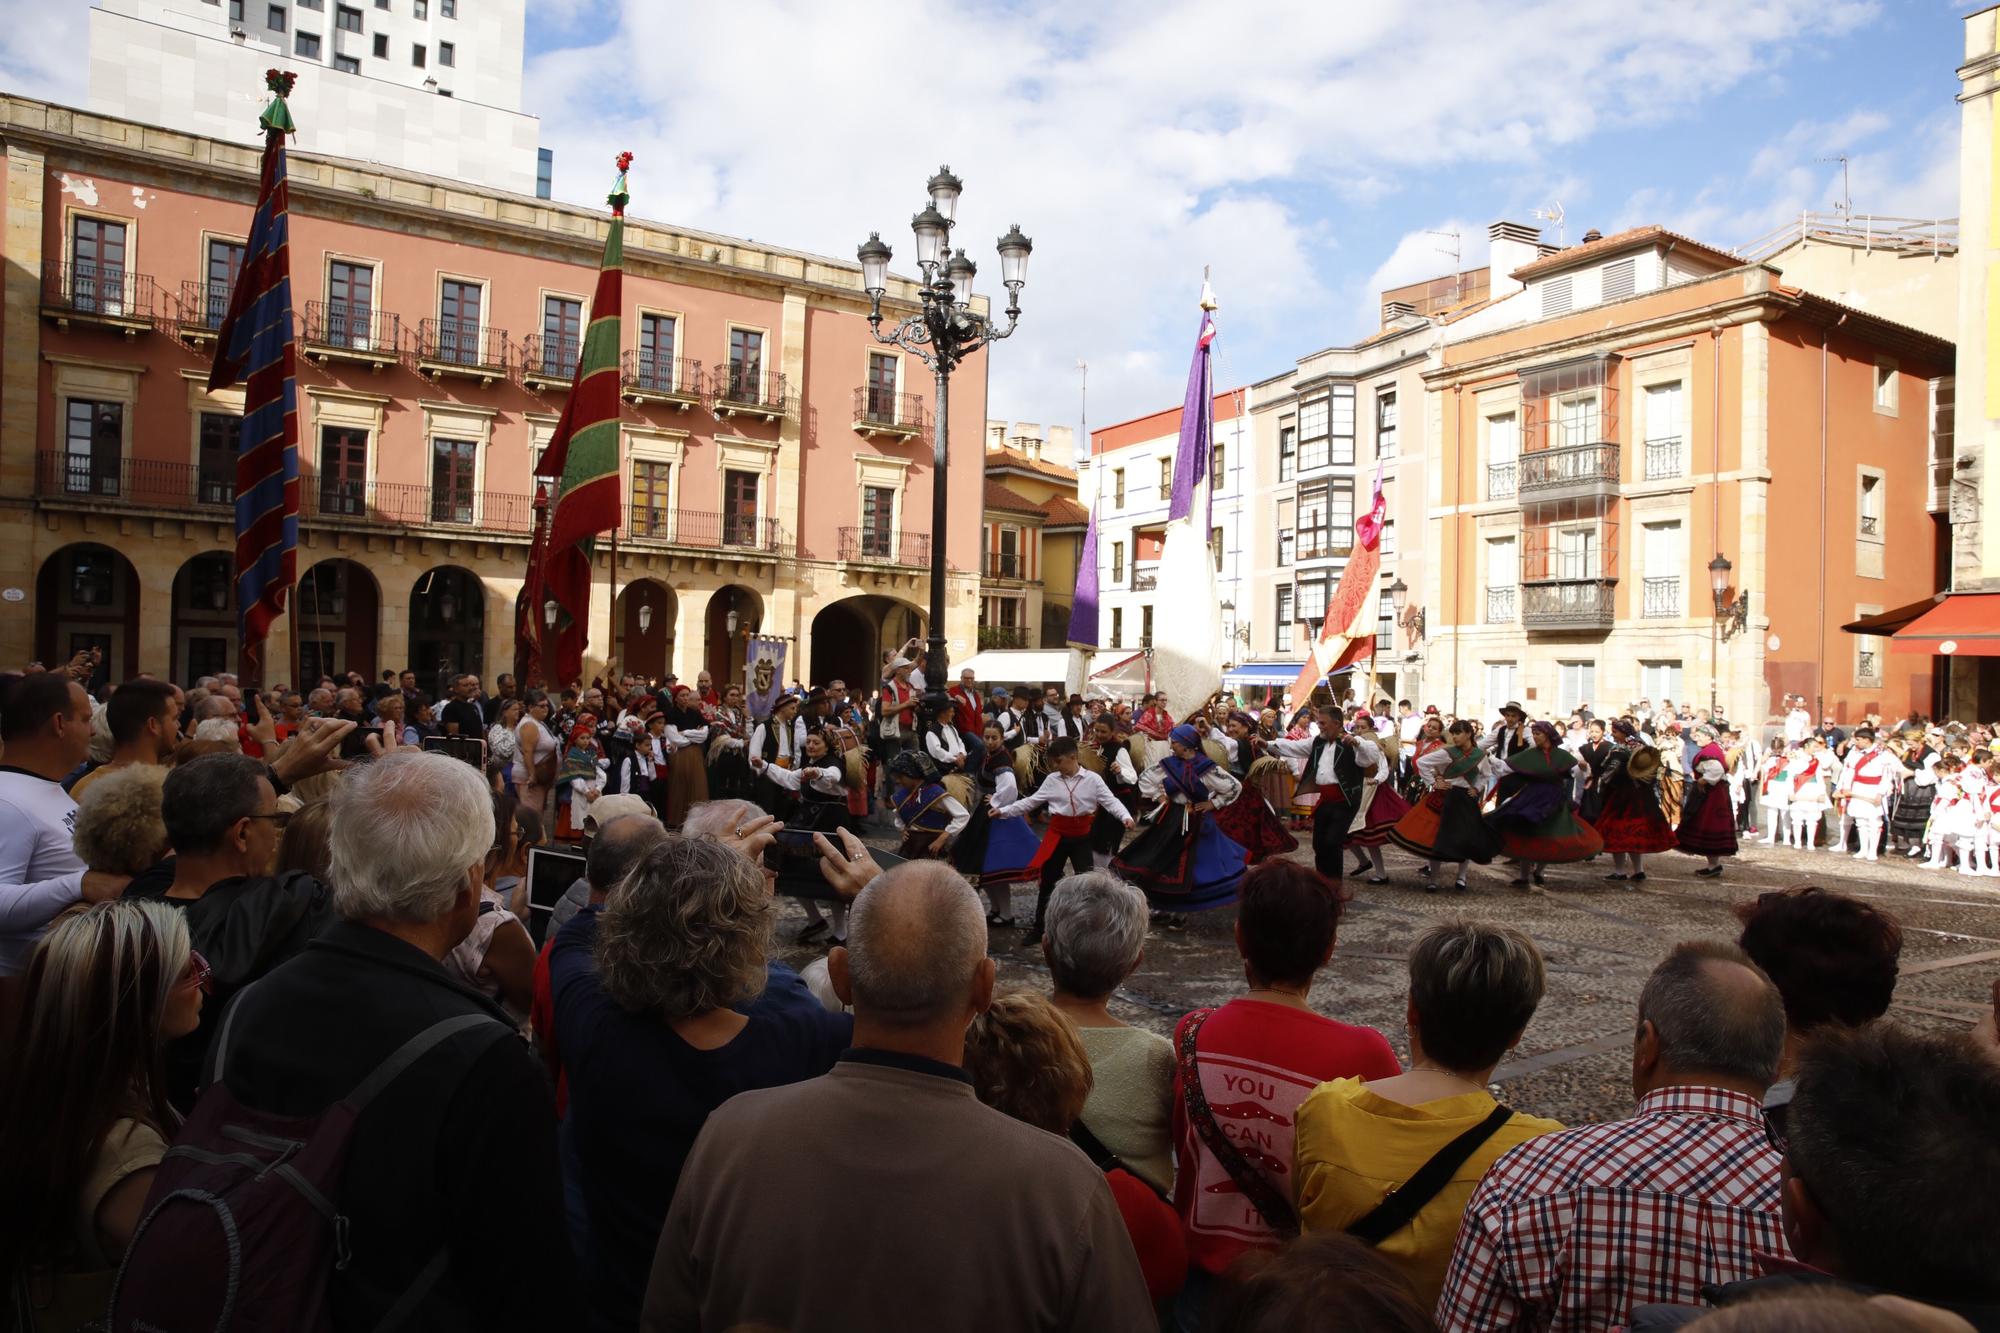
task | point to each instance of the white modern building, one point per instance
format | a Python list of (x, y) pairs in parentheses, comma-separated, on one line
[(425, 85)]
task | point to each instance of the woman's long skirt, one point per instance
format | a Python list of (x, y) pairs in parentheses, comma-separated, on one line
[(1385, 809), (1630, 820), (991, 852), (1249, 821), (1708, 821), (1184, 862), (687, 784), (1445, 826)]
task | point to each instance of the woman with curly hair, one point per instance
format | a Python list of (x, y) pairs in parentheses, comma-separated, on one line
[(84, 1118), (665, 1008)]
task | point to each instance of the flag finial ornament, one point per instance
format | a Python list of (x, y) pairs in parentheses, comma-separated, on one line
[(1208, 301), (619, 196), (277, 116)]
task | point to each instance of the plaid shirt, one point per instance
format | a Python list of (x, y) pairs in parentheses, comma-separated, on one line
[(1569, 1231)]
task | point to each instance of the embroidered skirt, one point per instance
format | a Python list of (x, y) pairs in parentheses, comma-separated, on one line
[(1184, 862), (1445, 826)]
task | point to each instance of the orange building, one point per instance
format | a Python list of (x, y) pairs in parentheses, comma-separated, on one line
[(1645, 409), (777, 462)]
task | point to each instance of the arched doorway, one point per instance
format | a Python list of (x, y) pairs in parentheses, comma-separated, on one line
[(734, 614), (87, 596), (204, 641), (643, 628), (335, 613), (849, 637), (447, 627)]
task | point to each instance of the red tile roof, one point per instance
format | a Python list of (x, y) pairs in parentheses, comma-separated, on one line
[(1624, 240), (999, 497), (1040, 466), (1065, 512)]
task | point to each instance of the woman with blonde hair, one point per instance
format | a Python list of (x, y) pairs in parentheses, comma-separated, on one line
[(84, 1118), (118, 826)]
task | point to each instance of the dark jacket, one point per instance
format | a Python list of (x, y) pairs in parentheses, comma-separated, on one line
[(458, 1155)]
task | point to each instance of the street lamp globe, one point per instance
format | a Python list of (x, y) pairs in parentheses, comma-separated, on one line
[(945, 189), (961, 272), (731, 621), (645, 617), (1718, 579), (930, 227), (1014, 250), (550, 610), (874, 257), (1399, 595)]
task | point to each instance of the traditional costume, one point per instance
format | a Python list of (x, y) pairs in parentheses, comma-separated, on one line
[(1250, 819), (1185, 862), (779, 742), (1708, 821), (1597, 758), (728, 760), (1380, 803), (1444, 825), (579, 778), (1806, 797), (1074, 802), (926, 811), (1333, 776), (1630, 818), (996, 853), (1869, 780), (1535, 820), (1113, 762), (1913, 802), (687, 770)]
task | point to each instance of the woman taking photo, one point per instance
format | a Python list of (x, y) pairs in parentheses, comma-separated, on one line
[(84, 1118)]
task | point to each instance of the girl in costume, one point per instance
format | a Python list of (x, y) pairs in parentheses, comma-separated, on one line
[(579, 778), (1629, 815), (929, 817), (1913, 802), (1380, 806), (1250, 819), (1988, 839), (1596, 754), (779, 741), (1445, 824), (1110, 757), (1185, 862), (728, 741), (1808, 797), (683, 737), (946, 748), (994, 853), (821, 782), (1430, 738), (1708, 820), (1535, 820)]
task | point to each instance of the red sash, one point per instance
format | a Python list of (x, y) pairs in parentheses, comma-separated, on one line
[(1060, 828)]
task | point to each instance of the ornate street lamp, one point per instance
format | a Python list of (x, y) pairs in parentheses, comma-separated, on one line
[(942, 335), (1411, 618), (1732, 616), (645, 616)]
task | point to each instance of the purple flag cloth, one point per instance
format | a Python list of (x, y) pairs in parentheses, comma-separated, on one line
[(1083, 611), (1191, 458)]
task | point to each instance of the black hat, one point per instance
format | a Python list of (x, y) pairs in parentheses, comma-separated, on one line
[(1511, 707)]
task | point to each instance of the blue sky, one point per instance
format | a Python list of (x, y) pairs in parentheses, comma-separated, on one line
[(1303, 150)]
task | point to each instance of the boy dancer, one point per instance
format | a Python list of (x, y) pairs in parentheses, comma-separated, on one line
[(1073, 796)]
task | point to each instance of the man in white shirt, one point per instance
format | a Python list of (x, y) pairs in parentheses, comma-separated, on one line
[(1410, 724), (45, 726), (1073, 795), (1798, 722)]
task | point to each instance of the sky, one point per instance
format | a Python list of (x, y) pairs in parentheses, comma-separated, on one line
[(1308, 154)]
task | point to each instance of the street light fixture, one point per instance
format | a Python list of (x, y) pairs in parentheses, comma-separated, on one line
[(550, 610), (1732, 616), (645, 616), (942, 335), (1411, 618)]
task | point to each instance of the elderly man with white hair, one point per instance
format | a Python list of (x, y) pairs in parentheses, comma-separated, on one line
[(459, 1146), (884, 1195)]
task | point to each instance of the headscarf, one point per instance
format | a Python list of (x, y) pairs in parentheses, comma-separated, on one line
[(1541, 729), (1623, 730), (581, 755), (1186, 736)]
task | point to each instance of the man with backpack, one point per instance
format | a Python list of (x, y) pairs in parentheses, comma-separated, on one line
[(373, 1135)]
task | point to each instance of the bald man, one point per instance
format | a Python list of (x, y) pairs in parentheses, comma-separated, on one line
[(971, 1219)]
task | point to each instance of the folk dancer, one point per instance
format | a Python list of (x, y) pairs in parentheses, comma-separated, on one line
[(821, 783), (1913, 802), (1250, 818), (993, 853), (1444, 824), (1334, 774), (846, 733), (1630, 818), (1074, 797), (1987, 838), (1596, 753), (899, 700), (1510, 735), (1380, 805), (1110, 757), (1807, 799), (1708, 821), (1536, 822), (779, 740), (579, 778), (684, 737), (1774, 793), (1185, 862), (728, 742), (927, 814), (1868, 779)]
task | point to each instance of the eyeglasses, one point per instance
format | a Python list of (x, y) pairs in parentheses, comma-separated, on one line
[(198, 974), (278, 818), (1774, 1126)]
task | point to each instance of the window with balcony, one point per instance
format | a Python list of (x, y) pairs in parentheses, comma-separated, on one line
[(1664, 550), (739, 508), (746, 366), (882, 371), (305, 45), (562, 335), (1118, 487), (1166, 478), (458, 335), (652, 503), (1385, 423), (97, 265), (274, 18), (1117, 627), (1146, 626), (346, 65), (447, 54), (1007, 549), (93, 446), (225, 265), (1503, 578), (1503, 455), (1313, 435), (215, 466), (452, 465), (1666, 425), (1870, 507), (1118, 562), (1573, 554), (343, 471), (1216, 460), (350, 303), (1288, 452), (1283, 620), (656, 352), (346, 18), (878, 522), (1573, 420)]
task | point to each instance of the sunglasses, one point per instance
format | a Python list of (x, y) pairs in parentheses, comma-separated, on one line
[(198, 974)]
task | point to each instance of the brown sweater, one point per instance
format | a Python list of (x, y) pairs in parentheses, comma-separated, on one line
[(885, 1196)]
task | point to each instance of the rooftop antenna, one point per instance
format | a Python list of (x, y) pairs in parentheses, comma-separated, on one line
[(1457, 253), (1082, 458), (1846, 205), (1553, 215)]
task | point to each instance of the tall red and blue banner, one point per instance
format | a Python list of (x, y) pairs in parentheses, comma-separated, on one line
[(255, 347)]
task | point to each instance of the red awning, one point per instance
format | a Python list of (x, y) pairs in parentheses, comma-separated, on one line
[(1964, 624)]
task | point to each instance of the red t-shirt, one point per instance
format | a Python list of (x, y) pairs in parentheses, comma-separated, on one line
[(1156, 1234), (542, 1018), (1258, 1061)]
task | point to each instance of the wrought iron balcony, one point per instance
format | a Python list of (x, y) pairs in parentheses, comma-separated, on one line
[(99, 294), (1006, 565), (646, 524), (202, 308), (741, 389), (1871, 525), (549, 363), (885, 546), (1002, 636), (1569, 471), (457, 347), (1145, 580), (1501, 480), (646, 377), (351, 331), (1660, 596), (1569, 604), (1502, 604), (878, 411), (1665, 459), (139, 482), (406, 504)]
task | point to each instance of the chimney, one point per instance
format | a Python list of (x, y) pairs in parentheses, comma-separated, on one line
[(996, 435), (1513, 245), (1592, 235), (1393, 311), (1061, 443)]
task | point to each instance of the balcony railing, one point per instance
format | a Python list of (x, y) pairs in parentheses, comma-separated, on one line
[(1864, 665), (1002, 636), (879, 411), (459, 345), (1145, 580), (1660, 596), (646, 375), (549, 360), (1006, 565), (351, 329), (1501, 479), (203, 305), (1502, 604), (1569, 604), (1664, 458), (696, 528), (87, 290), (885, 546), (1572, 469), (409, 504), (739, 388), (132, 481), (1871, 525)]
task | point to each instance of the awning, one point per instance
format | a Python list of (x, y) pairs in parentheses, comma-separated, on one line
[(1021, 666), (1262, 673), (1888, 622), (1118, 674), (1964, 624)]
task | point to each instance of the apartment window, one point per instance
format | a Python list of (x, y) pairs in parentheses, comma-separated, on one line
[(1871, 507), (91, 579), (562, 334), (652, 502), (447, 54), (1285, 547), (1556, 297), (1574, 553), (1385, 622), (739, 508), (458, 321), (350, 302), (1666, 417), (1576, 685), (1311, 600), (1283, 641), (1573, 420), (420, 9), (93, 443), (1502, 684), (343, 470), (1118, 487), (1503, 578), (448, 9), (878, 522), (656, 352), (1166, 478), (1117, 627), (1118, 562), (746, 365), (418, 52), (1215, 547), (1388, 537), (1340, 514), (235, 11), (1313, 540), (1867, 655), (1216, 461), (1620, 279), (1146, 626), (274, 18), (1660, 680), (1503, 454), (452, 465), (381, 46), (310, 4), (1885, 384), (1312, 452), (216, 465), (346, 18), (381, 4), (882, 370), (1007, 550), (225, 264), (545, 161), (1385, 423), (1664, 552), (1340, 425), (97, 265), (346, 65)]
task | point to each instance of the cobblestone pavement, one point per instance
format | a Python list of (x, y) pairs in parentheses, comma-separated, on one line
[(1600, 941)]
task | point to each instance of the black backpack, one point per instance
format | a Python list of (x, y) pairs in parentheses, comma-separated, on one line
[(243, 1229)]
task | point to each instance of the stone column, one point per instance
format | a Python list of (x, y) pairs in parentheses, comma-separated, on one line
[(20, 395), (156, 609), (690, 654)]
